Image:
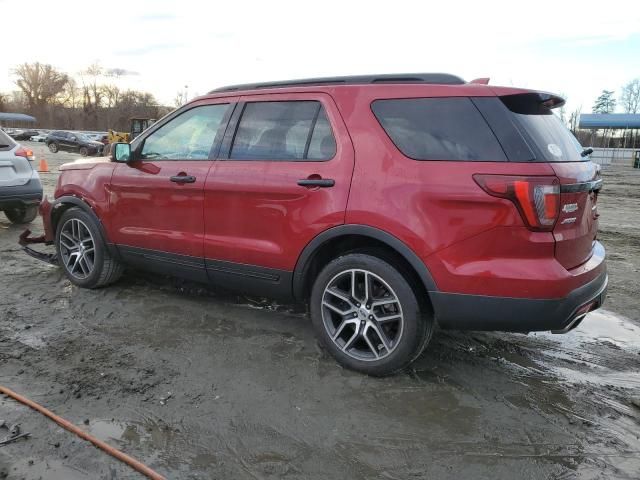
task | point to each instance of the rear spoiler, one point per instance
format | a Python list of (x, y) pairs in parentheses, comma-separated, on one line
[(532, 102)]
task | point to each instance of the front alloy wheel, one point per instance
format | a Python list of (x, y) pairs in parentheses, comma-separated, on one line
[(82, 251), (362, 315), (77, 248)]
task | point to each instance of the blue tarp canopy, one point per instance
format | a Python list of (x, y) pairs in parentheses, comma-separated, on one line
[(16, 117), (609, 120)]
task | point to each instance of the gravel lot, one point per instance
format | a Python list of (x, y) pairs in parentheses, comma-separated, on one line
[(199, 383)]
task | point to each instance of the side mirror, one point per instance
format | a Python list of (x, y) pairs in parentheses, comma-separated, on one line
[(121, 152)]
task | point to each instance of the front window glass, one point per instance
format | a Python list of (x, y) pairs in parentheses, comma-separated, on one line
[(189, 136)]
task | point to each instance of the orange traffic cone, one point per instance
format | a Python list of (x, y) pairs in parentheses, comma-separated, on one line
[(44, 167)]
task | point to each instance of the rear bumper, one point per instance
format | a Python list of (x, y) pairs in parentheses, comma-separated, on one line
[(28, 194), (478, 312)]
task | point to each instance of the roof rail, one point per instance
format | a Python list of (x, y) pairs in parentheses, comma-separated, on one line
[(431, 78)]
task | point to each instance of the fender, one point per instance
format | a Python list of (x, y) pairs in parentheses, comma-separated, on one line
[(79, 202), (354, 229)]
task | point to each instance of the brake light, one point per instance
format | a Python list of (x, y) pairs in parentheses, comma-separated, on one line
[(26, 153), (536, 198)]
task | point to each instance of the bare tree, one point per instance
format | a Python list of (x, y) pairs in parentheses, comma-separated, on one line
[(110, 95), (574, 119), (40, 83), (91, 92), (179, 99), (630, 96), (71, 96)]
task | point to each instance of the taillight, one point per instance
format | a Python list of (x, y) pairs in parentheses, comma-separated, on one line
[(26, 153), (537, 198)]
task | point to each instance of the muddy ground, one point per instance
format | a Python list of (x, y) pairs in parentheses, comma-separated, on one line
[(198, 383)]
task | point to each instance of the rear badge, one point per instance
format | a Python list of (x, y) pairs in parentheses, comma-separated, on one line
[(569, 207), (568, 220)]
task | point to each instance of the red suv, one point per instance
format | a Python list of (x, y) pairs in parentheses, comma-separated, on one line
[(389, 203)]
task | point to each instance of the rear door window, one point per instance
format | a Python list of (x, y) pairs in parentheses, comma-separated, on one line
[(449, 128), (289, 130)]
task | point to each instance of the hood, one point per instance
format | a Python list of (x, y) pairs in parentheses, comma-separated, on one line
[(84, 163)]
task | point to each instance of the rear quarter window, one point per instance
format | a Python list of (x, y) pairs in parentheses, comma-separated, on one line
[(438, 129)]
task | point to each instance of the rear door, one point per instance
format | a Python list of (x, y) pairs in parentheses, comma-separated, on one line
[(64, 141), (14, 170), (157, 198), (283, 177)]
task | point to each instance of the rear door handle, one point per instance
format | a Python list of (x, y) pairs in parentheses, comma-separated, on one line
[(183, 179), (317, 182)]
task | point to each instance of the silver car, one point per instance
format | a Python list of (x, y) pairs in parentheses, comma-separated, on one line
[(20, 187)]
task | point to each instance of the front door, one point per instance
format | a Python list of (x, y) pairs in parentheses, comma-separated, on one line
[(282, 178), (157, 199)]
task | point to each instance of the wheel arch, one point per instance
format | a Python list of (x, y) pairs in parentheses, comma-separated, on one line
[(341, 239), (64, 203)]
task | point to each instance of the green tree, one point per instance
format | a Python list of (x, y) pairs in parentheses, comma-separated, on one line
[(605, 103)]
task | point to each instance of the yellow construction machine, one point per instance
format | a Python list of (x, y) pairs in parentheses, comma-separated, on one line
[(136, 127)]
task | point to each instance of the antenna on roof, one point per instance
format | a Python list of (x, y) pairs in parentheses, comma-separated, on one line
[(480, 81)]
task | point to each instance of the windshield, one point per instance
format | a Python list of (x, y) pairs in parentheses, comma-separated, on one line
[(83, 137)]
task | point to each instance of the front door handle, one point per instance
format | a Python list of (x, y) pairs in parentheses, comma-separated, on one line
[(317, 182), (183, 179)]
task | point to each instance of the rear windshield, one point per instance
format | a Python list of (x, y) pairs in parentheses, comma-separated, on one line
[(448, 128), (554, 142), (6, 142)]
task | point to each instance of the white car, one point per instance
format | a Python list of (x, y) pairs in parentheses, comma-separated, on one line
[(20, 187), (41, 137)]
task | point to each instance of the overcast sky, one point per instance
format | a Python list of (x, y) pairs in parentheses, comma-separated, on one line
[(575, 48)]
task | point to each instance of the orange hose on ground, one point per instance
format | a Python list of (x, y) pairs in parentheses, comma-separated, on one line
[(132, 462)]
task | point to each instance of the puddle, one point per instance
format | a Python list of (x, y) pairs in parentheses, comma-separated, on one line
[(30, 339), (148, 435), (603, 350), (51, 469), (599, 327)]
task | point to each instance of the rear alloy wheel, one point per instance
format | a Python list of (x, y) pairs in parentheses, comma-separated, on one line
[(84, 151), (82, 252), (368, 316), (53, 147), (22, 214)]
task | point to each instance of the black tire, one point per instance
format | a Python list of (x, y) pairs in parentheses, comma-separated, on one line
[(84, 151), (416, 329), (22, 214), (53, 147), (106, 269)]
